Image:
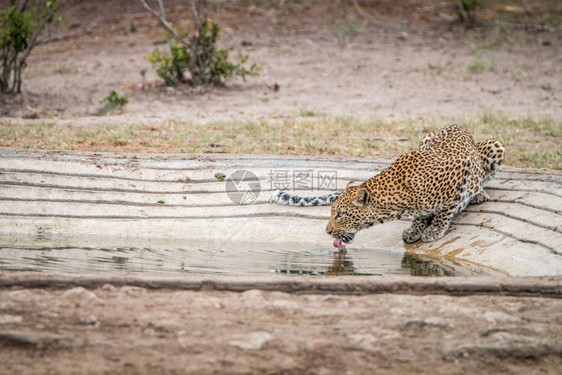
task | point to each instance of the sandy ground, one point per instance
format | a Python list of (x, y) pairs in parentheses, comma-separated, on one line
[(129, 329), (398, 66)]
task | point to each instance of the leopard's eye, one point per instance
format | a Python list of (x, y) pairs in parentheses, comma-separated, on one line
[(339, 214)]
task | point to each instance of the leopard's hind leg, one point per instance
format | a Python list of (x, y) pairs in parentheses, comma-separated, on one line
[(426, 141), (480, 197), (491, 154)]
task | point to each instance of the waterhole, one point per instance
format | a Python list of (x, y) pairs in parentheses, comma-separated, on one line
[(118, 255)]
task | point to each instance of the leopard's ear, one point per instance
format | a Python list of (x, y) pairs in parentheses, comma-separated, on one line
[(361, 197), (349, 184)]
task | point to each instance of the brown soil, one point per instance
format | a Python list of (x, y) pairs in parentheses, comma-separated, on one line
[(409, 59), (130, 329)]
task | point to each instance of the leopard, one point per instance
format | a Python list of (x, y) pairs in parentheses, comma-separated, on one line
[(432, 184)]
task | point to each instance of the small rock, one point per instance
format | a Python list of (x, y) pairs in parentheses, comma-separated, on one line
[(31, 296), (79, 293), (433, 322), (506, 338), (286, 304), (108, 288), (459, 310), (437, 322), (48, 314), (318, 344), (363, 341), (499, 317), (88, 320), (133, 291), (251, 341), (397, 311), (10, 319), (527, 330), (183, 341), (37, 339), (252, 294), (150, 332)]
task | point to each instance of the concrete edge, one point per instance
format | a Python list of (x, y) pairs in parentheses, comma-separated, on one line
[(550, 287), (56, 154)]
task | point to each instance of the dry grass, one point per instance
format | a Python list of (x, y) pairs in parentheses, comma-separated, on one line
[(529, 142)]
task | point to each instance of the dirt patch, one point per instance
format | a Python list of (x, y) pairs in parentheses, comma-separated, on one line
[(131, 329), (354, 79), (405, 61)]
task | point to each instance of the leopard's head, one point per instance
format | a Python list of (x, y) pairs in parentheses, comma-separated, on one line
[(351, 212)]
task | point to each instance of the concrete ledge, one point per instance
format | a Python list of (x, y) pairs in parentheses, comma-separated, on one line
[(97, 198), (524, 287)]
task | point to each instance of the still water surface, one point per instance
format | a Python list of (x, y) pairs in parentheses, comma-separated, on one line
[(117, 255)]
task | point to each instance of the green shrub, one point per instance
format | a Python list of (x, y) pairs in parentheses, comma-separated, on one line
[(21, 25), (349, 30), (466, 8), (471, 5), (479, 64), (113, 101), (205, 62)]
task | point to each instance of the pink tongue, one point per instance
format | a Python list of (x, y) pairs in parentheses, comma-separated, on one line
[(338, 243)]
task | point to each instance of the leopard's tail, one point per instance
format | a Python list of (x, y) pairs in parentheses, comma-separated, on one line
[(281, 197)]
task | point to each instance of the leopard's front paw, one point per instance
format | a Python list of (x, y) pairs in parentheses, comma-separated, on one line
[(411, 235), (432, 233)]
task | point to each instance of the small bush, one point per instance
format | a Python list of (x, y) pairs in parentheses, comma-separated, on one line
[(113, 101), (304, 112), (200, 63), (500, 33), (346, 32), (479, 65), (466, 9)]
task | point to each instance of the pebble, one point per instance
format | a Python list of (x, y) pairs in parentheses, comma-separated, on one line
[(252, 294), (149, 332), (37, 339), (133, 291), (251, 340), (88, 320), (48, 314), (10, 319), (499, 317), (108, 288), (79, 293)]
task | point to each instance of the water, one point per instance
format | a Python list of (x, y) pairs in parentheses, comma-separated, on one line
[(118, 255)]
